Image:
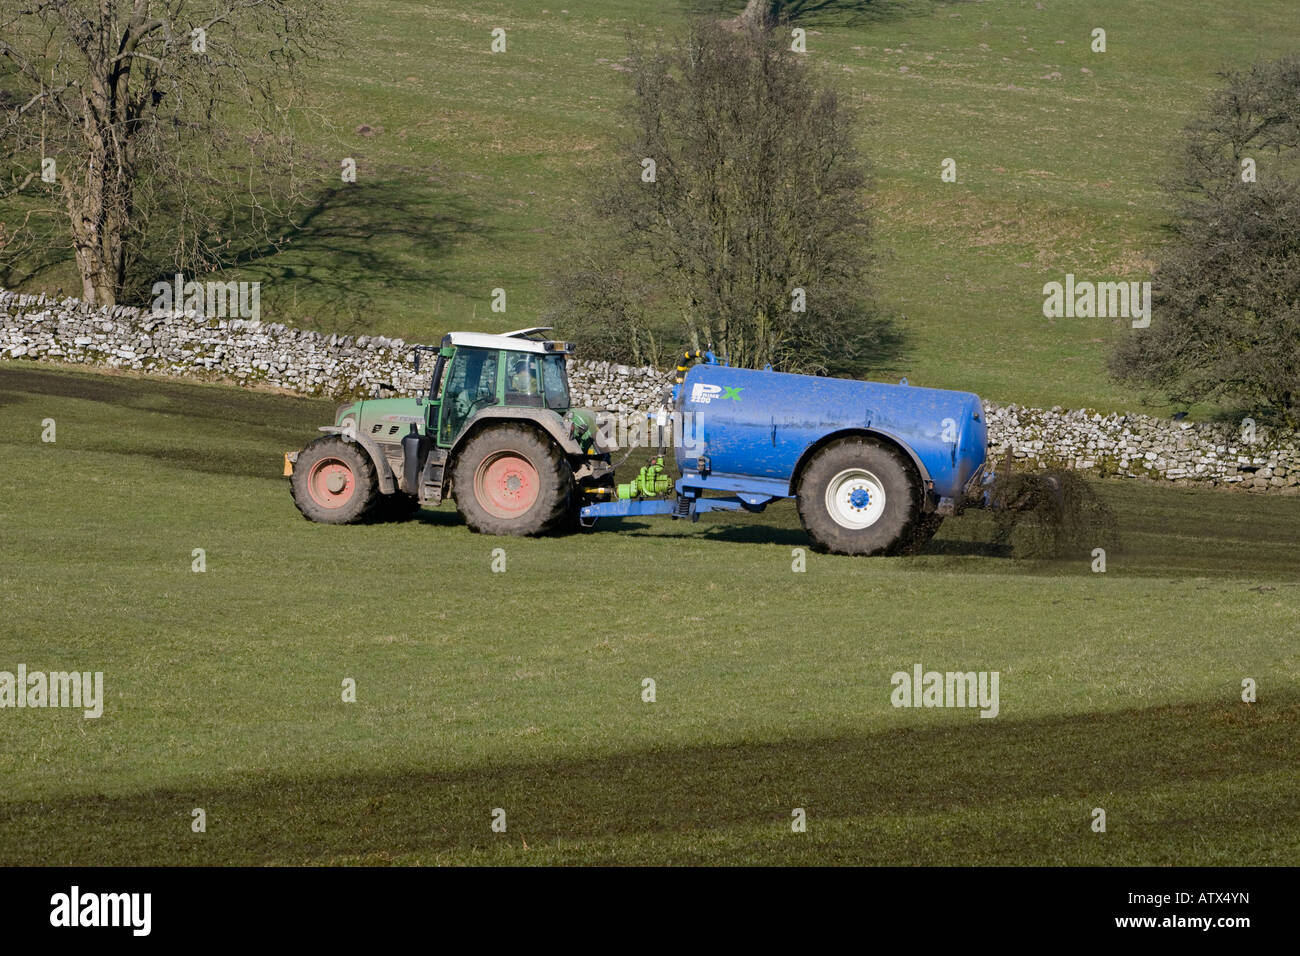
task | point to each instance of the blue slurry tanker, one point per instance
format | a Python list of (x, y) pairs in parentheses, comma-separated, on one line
[(872, 468)]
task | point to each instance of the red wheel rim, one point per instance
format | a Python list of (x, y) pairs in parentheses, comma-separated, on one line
[(506, 484), (331, 483)]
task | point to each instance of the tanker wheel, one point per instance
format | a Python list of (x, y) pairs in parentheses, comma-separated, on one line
[(508, 479), (334, 482), (858, 496), (926, 527)]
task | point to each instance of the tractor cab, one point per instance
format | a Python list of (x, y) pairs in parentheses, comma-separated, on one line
[(475, 372)]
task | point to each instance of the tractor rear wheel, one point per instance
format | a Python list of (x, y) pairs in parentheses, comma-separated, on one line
[(858, 496), (509, 480), (334, 481)]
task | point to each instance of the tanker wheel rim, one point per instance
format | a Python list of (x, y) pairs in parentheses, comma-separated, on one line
[(507, 484), (331, 482), (855, 499)]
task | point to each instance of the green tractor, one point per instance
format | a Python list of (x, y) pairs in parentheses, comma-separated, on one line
[(495, 431)]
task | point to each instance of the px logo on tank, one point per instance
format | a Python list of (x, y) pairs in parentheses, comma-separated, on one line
[(703, 393)]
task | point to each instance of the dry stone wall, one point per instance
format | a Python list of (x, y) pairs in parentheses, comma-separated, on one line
[(1141, 446)]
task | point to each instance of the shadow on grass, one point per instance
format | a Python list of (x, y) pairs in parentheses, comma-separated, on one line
[(157, 395), (617, 525), (234, 432), (1186, 783), (749, 529), (359, 243), (442, 518)]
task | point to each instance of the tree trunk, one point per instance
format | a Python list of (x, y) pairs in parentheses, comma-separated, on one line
[(98, 249), (759, 13), (86, 213), (99, 201)]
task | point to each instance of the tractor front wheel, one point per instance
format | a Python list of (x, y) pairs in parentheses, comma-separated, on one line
[(334, 481), (509, 480), (858, 496)]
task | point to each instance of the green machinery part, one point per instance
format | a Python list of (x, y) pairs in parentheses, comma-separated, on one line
[(650, 482), (585, 426)]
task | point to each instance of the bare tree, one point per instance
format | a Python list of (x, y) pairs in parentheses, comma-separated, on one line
[(735, 215), (158, 128)]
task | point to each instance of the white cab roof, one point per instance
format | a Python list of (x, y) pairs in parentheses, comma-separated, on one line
[(515, 341)]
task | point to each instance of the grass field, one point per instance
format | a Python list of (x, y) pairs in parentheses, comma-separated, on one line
[(522, 690), (469, 164)]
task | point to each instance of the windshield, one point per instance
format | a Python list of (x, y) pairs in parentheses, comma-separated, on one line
[(523, 380), (555, 382)]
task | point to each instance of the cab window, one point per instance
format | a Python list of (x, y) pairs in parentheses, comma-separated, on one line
[(555, 382), (523, 380), (471, 384)]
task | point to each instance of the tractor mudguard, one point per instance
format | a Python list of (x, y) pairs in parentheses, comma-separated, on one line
[(383, 471), (546, 419)]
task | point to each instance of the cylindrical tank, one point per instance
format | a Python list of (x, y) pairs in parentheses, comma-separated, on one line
[(760, 424)]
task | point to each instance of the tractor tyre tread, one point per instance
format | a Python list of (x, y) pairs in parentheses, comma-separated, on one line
[(556, 486), (363, 501)]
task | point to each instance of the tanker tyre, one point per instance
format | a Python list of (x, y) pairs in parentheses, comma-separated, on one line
[(334, 482), (508, 479), (858, 496)]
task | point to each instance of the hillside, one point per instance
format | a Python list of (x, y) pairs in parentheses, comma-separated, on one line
[(469, 162)]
